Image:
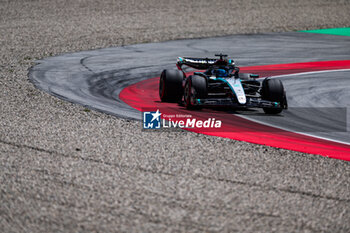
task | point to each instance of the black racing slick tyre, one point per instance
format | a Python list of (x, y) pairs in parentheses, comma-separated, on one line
[(195, 88), (170, 86), (273, 90)]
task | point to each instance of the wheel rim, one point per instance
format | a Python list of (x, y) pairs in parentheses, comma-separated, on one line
[(161, 88), (186, 94), (192, 95), (189, 94)]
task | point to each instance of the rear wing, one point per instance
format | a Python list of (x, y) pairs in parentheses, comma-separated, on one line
[(201, 63)]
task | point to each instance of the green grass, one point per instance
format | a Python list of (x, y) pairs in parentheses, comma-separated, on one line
[(331, 31)]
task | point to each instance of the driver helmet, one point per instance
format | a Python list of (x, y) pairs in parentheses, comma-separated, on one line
[(221, 72)]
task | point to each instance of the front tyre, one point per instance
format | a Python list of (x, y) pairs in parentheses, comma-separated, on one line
[(195, 88), (170, 86), (273, 90)]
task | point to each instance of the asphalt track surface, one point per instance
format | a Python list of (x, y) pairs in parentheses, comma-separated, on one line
[(95, 78)]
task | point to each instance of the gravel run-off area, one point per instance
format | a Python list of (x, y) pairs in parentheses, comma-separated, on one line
[(67, 168)]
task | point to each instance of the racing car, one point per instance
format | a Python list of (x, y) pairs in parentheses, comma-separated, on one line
[(219, 83)]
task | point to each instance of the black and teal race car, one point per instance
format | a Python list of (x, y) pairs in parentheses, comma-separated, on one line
[(220, 84)]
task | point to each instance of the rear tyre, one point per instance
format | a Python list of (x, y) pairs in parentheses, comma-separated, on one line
[(170, 86), (273, 90), (195, 88)]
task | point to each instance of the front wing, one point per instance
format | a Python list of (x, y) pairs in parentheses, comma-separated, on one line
[(251, 103)]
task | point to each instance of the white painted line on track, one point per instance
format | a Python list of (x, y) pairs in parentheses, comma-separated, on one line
[(282, 128), (304, 73)]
